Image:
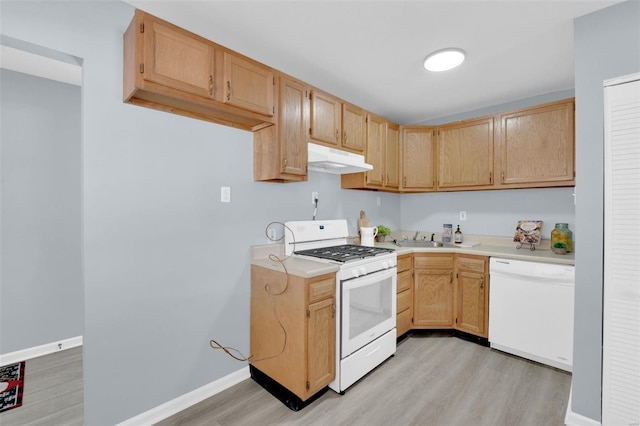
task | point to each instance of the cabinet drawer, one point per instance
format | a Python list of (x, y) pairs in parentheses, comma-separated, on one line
[(404, 281), (404, 263), (404, 301), (471, 264), (322, 289), (433, 262), (403, 322)]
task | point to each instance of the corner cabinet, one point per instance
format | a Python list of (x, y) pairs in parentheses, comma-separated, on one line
[(418, 159), (536, 146), (465, 155), (433, 290), (280, 151), (293, 329), (472, 294), (172, 70)]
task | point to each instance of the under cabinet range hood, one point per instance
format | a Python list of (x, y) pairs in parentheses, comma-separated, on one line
[(331, 160)]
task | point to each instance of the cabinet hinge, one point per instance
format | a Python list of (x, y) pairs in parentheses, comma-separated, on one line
[(456, 275), (574, 173), (142, 27), (456, 321), (141, 68), (274, 109), (310, 133), (274, 81), (308, 385), (308, 313)]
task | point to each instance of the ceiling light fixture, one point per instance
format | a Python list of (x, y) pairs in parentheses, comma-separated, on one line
[(444, 59)]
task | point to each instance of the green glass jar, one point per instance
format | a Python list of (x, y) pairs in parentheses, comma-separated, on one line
[(562, 234)]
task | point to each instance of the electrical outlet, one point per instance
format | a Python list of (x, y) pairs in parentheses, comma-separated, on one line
[(463, 215), (314, 197), (271, 233), (225, 194)]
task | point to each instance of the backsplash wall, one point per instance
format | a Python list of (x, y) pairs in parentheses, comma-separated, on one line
[(488, 212)]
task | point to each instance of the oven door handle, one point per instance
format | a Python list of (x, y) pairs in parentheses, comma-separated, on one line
[(370, 279)]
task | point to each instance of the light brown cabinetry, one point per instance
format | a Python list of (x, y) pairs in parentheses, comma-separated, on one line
[(248, 84), (173, 70), (326, 119), (392, 157), (418, 159), (382, 152), (293, 329), (353, 128), (472, 294), (404, 303), (280, 151), (536, 146), (433, 290), (465, 155)]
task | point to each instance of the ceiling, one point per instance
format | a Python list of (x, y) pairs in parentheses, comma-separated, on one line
[(370, 53)]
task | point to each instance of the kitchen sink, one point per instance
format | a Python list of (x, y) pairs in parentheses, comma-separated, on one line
[(423, 243)]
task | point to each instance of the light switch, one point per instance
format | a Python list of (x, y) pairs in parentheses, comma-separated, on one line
[(225, 194)]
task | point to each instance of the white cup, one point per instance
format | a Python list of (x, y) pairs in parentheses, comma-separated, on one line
[(367, 234)]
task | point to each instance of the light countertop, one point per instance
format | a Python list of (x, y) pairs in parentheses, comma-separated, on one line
[(271, 256)]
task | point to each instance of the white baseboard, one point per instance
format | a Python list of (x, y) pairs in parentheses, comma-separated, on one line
[(574, 419), (185, 401), (36, 351)]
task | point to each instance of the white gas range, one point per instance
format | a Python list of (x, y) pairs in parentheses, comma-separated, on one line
[(365, 295)]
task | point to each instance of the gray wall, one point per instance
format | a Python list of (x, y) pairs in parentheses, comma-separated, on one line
[(607, 44), (41, 290)]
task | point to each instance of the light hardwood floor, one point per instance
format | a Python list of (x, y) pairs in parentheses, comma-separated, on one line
[(53, 392), (432, 380)]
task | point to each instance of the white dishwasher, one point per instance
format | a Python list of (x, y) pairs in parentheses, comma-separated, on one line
[(531, 310)]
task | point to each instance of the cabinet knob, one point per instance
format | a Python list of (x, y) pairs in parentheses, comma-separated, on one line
[(228, 90), (337, 135), (344, 137), (210, 85)]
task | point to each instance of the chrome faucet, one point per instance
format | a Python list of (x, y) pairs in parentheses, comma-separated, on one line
[(415, 237), (432, 237)]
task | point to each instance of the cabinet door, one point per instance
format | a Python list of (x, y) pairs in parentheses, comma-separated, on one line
[(418, 158), (392, 157), (325, 118), (248, 85), (465, 155), (471, 302), (433, 298), (537, 145), (353, 130), (376, 136), (292, 120), (321, 327), (177, 60)]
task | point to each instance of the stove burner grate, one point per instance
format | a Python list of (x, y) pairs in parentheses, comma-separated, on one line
[(344, 253)]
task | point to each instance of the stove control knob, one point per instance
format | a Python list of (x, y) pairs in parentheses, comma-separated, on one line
[(355, 273), (363, 271), (386, 265)]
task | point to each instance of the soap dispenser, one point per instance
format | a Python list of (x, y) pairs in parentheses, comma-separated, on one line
[(457, 236)]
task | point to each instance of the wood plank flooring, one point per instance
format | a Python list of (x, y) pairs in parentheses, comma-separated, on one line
[(53, 392), (432, 380)]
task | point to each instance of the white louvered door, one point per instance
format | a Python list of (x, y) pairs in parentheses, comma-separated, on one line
[(621, 322)]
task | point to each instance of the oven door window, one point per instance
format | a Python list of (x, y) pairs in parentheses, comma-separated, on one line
[(368, 309)]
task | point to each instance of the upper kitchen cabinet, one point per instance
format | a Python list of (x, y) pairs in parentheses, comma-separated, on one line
[(173, 70), (536, 146), (392, 157), (326, 119), (280, 151), (465, 155), (353, 128), (418, 159), (248, 84)]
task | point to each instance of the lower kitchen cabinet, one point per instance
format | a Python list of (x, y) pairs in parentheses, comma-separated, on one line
[(433, 290), (451, 291), (472, 294), (404, 294), (293, 329)]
